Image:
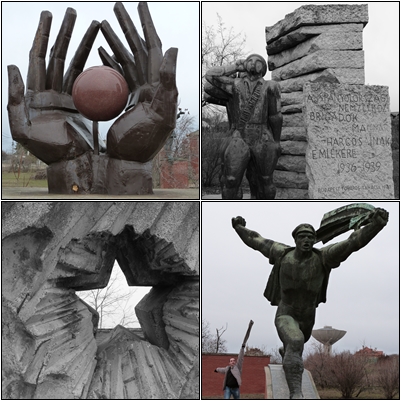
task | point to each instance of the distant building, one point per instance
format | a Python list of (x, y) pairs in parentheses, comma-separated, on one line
[(180, 170), (372, 354)]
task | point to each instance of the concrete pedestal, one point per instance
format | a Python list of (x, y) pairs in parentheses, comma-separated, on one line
[(277, 388)]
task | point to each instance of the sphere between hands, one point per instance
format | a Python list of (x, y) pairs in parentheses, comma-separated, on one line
[(100, 93)]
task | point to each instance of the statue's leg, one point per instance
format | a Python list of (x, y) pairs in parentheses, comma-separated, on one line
[(293, 340), (235, 159), (265, 153), (251, 176)]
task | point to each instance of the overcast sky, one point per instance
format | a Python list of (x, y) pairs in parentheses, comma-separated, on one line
[(121, 285), (380, 35), (363, 293), (177, 24)]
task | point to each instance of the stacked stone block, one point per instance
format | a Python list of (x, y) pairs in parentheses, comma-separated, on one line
[(315, 43)]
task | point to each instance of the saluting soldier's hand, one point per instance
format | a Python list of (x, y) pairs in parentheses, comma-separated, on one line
[(238, 221)]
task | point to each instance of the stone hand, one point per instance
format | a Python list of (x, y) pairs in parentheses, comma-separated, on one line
[(238, 221), (240, 65), (380, 217), (152, 107), (44, 119)]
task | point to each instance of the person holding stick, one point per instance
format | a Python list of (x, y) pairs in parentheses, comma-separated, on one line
[(232, 379)]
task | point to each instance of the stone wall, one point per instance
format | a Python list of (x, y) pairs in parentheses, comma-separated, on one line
[(315, 43), (395, 146), (52, 249)]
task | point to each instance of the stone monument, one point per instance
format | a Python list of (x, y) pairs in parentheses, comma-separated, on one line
[(277, 387), (300, 275), (323, 44), (47, 122), (348, 131), (50, 250)]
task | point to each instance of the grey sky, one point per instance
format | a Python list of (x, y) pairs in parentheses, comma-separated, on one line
[(177, 24), (380, 35), (363, 293)]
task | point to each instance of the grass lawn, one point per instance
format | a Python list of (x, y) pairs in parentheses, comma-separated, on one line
[(24, 180)]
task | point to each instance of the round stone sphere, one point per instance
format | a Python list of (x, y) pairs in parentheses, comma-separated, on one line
[(100, 93)]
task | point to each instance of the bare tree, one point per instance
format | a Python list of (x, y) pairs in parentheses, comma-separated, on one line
[(349, 374), (388, 375), (220, 343), (177, 149), (220, 45), (212, 343), (112, 302), (317, 361), (255, 351)]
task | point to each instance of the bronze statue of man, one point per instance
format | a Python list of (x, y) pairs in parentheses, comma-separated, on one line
[(254, 112), (298, 283)]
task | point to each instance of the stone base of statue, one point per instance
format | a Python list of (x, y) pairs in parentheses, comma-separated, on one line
[(277, 388), (100, 174)]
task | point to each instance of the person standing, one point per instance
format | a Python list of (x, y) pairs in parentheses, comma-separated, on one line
[(232, 379)]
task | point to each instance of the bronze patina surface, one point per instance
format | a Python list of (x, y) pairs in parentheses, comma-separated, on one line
[(300, 275), (44, 119)]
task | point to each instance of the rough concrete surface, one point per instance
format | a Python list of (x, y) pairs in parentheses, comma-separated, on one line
[(52, 249), (319, 60), (312, 14), (300, 35)]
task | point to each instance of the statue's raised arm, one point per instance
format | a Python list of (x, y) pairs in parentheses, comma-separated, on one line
[(251, 238)]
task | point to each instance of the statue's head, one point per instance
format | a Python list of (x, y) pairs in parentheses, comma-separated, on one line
[(255, 65), (305, 237)]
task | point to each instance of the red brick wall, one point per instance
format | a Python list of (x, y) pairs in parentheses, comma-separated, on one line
[(253, 374), (174, 175)]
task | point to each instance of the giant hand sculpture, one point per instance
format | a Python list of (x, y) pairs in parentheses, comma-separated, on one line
[(46, 122), (44, 119), (151, 113)]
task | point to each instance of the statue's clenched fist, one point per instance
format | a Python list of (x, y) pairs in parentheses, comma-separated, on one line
[(238, 221)]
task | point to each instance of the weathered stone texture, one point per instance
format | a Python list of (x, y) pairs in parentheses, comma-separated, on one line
[(315, 43), (349, 141), (318, 15), (293, 147), (304, 33), (395, 147), (335, 75), (292, 193), (51, 249), (325, 41), (291, 163), (320, 60), (293, 134), (290, 179)]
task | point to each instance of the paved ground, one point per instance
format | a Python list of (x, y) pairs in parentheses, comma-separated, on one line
[(41, 193), (207, 197)]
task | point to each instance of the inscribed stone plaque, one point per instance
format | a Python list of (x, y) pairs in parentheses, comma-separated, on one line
[(349, 141)]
